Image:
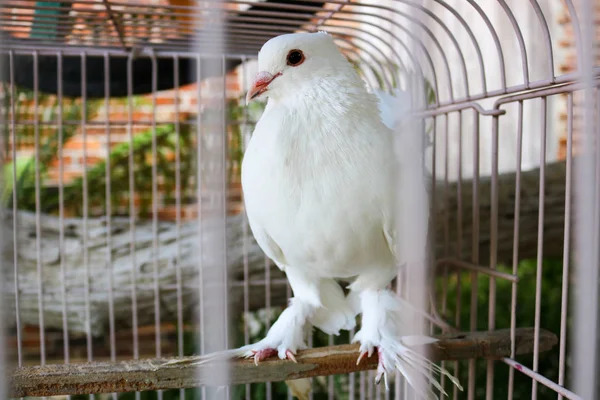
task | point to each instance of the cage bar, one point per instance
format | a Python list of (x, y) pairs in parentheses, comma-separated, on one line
[(510, 85)]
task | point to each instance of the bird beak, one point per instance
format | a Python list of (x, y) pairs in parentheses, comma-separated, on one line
[(260, 84)]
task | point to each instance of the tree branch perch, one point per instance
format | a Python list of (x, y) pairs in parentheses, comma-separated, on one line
[(162, 374)]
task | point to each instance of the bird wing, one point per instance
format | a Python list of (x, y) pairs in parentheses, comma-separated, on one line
[(267, 244), (405, 238), (393, 107)]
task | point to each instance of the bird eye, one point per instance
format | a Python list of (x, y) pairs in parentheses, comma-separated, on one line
[(295, 58)]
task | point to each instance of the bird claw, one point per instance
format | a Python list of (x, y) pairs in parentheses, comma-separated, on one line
[(260, 355), (361, 356), (290, 356), (365, 350), (381, 372), (263, 354)]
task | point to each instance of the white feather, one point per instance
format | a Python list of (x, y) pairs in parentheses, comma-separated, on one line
[(393, 108)]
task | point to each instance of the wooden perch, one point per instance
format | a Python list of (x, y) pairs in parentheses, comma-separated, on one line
[(445, 218), (156, 374)]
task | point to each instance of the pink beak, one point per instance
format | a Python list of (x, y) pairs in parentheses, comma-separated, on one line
[(260, 84)]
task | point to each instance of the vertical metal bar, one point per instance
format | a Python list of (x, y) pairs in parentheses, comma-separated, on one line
[(225, 202), (214, 255), (370, 379), (585, 323), (433, 204), (268, 316), (433, 212), (288, 293), (199, 190), (330, 387), (446, 213), (86, 257), (414, 214), (107, 195), (15, 226), (493, 249), (446, 228), (475, 248), (132, 213), (400, 384), (38, 223), (178, 196), (155, 248), (310, 345), (387, 395), (540, 250), (516, 234), (562, 361), (362, 387), (433, 216), (61, 209), (245, 232), (352, 377), (459, 218), (3, 369), (4, 230)]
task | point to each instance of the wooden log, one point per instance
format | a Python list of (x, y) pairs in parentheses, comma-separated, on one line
[(162, 374), (173, 254), (447, 204), (178, 253)]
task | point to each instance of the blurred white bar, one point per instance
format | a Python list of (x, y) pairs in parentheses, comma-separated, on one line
[(412, 213), (587, 175), (212, 178)]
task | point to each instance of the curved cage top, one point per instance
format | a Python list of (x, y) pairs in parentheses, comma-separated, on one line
[(438, 40)]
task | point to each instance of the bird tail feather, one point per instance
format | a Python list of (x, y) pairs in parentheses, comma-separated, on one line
[(214, 356), (414, 367)]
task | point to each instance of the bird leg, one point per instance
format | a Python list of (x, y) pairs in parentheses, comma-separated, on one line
[(382, 329), (285, 337)]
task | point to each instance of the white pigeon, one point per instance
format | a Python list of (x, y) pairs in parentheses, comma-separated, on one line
[(318, 180)]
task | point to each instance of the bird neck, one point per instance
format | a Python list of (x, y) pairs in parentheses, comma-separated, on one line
[(330, 98)]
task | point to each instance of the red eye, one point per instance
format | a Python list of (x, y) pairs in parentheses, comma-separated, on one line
[(295, 58)]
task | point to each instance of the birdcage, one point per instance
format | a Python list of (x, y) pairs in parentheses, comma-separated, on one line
[(125, 245)]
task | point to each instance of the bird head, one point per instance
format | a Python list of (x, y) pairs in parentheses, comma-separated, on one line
[(290, 63)]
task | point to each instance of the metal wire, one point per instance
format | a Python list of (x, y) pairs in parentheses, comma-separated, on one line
[(567, 242), (107, 194), (587, 169), (482, 73)]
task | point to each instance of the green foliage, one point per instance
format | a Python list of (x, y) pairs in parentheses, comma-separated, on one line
[(167, 139), (550, 320), (119, 171), (22, 167), (48, 137)]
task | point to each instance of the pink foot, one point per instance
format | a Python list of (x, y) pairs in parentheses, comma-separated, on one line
[(260, 355), (381, 373)]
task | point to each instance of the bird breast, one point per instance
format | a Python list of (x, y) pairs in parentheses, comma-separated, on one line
[(319, 193)]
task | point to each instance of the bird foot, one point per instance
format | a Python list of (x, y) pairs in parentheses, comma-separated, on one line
[(381, 370), (263, 354), (367, 351), (396, 355)]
